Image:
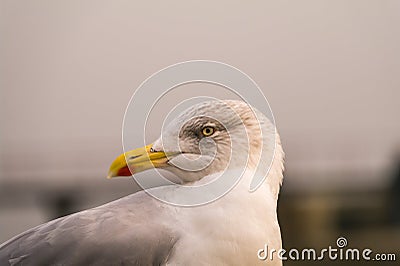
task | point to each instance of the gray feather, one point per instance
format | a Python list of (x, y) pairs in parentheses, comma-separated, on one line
[(128, 231)]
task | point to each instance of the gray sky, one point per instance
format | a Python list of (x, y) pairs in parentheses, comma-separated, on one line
[(330, 70)]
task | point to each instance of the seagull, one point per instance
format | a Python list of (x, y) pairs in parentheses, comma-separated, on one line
[(140, 229)]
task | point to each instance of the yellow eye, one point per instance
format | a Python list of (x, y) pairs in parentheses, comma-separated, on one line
[(208, 131)]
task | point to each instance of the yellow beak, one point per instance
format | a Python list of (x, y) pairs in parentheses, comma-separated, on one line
[(136, 161)]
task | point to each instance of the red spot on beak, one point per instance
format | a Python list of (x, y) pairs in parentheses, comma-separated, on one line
[(125, 171)]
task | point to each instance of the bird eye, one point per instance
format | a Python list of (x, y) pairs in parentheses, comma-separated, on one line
[(208, 131)]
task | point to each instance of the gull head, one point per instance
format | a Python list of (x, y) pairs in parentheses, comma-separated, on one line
[(207, 138)]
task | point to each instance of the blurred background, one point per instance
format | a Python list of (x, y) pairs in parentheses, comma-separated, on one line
[(330, 70)]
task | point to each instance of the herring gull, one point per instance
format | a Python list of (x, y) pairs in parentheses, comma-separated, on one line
[(141, 230)]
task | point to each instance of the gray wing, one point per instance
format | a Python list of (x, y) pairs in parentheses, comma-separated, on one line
[(129, 231)]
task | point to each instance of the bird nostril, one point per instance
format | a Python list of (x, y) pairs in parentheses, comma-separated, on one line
[(134, 157)]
